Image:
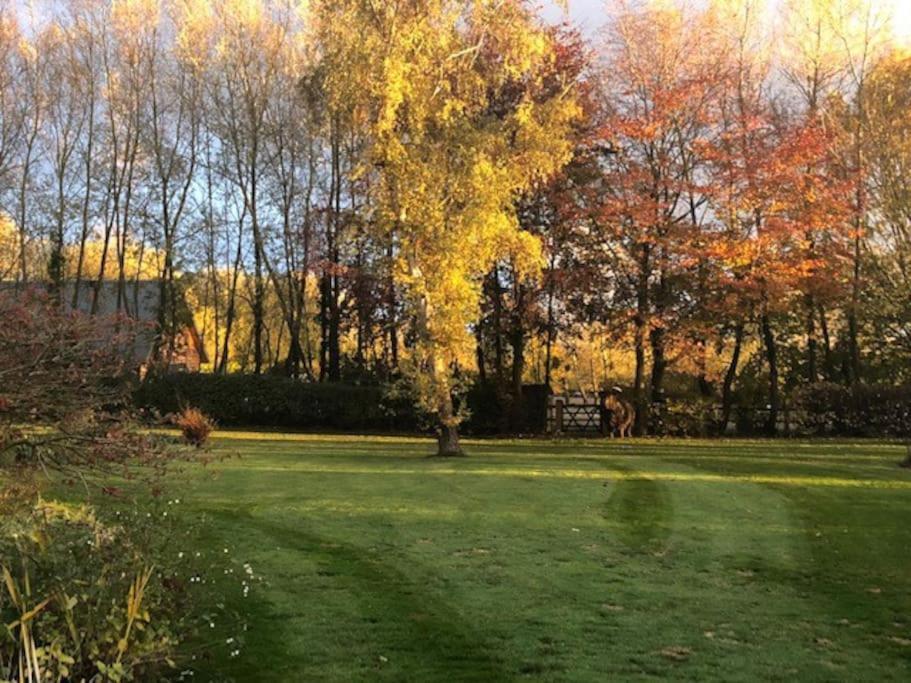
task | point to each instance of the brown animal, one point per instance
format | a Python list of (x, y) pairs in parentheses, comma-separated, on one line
[(622, 416)]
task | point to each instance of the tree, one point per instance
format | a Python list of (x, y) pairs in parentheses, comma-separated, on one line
[(887, 301), (449, 91), (775, 198), (647, 225)]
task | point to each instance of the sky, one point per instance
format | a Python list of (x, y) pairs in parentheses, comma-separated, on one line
[(589, 14)]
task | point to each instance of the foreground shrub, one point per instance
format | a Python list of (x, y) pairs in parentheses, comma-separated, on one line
[(65, 392), (88, 599), (84, 598), (195, 426)]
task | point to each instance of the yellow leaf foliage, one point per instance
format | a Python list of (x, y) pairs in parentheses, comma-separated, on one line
[(462, 123)]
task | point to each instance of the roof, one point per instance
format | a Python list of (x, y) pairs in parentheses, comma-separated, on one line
[(140, 299)]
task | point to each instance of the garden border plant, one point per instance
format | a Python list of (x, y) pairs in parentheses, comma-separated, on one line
[(88, 591)]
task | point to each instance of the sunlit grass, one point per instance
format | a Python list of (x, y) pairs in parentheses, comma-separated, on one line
[(597, 475), (570, 560)]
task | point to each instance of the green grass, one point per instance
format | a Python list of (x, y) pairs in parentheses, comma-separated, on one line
[(566, 561)]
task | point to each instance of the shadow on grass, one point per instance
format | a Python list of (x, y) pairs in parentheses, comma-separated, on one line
[(640, 513), (401, 632)]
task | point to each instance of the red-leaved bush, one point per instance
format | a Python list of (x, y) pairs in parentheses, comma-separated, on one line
[(65, 378), (195, 426)]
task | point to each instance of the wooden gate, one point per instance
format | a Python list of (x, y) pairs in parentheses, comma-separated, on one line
[(574, 414)]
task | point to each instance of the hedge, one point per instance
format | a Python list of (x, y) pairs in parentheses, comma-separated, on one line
[(873, 410), (273, 401)]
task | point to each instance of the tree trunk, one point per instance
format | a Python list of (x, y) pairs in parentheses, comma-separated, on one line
[(705, 386), (853, 360), (448, 445), (479, 352), (330, 314), (393, 309), (659, 364), (771, 348), (727, 389), (496, 295), (518, 359), (437, 370), (550, 341), (828, 362), (860, 223), (812, 372), (642, 305)]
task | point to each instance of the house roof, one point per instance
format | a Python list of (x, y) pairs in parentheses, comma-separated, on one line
[(139, 302)]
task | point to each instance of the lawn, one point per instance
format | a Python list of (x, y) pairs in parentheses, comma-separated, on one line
[(565, 561)]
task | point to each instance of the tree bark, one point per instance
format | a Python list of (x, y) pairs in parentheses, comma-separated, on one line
[(448, 423), (771, 348), (392, 305), (727, 393), (518, 358), (659, 363), (828, 367), (812, 372), (642, 306), (448, 445), (479, 352), (853, 360)]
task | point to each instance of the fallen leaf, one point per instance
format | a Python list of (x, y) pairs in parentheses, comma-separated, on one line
[(677, 653)]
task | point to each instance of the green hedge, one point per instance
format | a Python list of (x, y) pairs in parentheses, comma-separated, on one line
[(863, 410), (273, 401), (494, 411)]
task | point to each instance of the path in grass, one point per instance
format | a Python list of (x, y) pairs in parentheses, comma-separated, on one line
[(567, 561)]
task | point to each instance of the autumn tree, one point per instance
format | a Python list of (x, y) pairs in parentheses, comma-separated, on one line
[(781, 215), (517, 310), (449, 92), (887, 302), (657, 107)]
